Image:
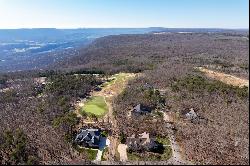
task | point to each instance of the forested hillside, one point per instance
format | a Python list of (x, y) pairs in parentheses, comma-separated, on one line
[(135, 53), (37, 120), (167, 62)]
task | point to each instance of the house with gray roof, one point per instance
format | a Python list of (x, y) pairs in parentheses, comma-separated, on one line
[(194, 117), (191, 115), (141, 110), (88, 138)]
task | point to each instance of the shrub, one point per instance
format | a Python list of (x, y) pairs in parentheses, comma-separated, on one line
[(104, 133), (123, 138)]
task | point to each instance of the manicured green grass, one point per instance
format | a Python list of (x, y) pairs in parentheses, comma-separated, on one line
[(91, 154), (95, 105), (164, 141)]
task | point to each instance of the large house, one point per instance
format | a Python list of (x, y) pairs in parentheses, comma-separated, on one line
[(88, 138), (143, 142)]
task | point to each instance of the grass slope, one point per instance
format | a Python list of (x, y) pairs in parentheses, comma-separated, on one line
[(117, 78)]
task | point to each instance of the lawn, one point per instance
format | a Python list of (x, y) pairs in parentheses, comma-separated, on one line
[(164, 141), (90, 153), (95, 105), (167, 149)]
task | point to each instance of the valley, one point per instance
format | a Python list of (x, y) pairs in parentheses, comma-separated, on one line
[(29, 49)]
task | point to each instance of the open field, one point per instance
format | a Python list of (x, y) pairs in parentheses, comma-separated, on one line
[(226, 78)]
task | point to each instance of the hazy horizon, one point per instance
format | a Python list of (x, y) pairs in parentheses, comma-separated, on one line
[(121, 28), (75, 14)]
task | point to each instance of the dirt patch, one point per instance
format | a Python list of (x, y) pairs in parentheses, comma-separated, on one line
[(226, 78)]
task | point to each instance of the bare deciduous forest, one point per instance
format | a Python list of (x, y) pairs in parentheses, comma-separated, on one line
[(166, 63)]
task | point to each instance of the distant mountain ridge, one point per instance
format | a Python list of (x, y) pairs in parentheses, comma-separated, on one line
[(27, 49), (55, 34)]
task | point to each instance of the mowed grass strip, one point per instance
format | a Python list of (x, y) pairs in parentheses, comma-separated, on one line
[(95, 105), (117, 78)]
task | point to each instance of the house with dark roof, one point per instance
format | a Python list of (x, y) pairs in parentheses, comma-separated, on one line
[(141, 110), (88, 138)]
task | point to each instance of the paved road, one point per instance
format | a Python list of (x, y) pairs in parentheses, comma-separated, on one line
[(177, 158)]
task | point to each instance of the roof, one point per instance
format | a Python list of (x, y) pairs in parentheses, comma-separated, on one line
[(89, 136), (147, 85), (141, 108), (142, 138), (142, 141), (146, 137), (191, 114)]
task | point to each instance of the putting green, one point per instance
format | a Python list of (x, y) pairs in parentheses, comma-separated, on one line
[(95, 105)]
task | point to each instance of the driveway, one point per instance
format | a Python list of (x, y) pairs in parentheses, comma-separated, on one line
[(104, 142), (122, 149)]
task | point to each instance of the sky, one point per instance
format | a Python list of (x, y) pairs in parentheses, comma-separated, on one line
[(124, 13)]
